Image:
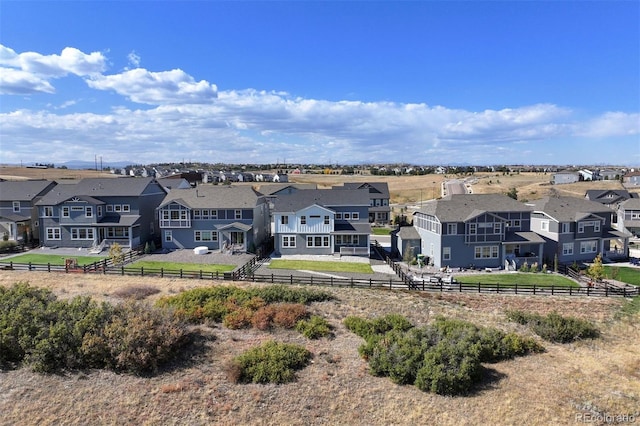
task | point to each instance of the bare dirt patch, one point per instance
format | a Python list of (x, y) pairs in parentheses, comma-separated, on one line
[(549, 388)]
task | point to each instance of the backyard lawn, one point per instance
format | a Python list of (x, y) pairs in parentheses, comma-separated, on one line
[(55, 260), (310, 265), (381, 231), (177, 266), (624, 274), (519, 278)]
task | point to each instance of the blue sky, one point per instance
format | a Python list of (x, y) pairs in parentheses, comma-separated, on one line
[(431, 82)]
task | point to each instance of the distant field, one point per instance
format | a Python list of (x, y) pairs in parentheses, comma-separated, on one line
[(24, 173)]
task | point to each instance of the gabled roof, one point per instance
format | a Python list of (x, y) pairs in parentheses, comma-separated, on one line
[(24, 190), (607, 196), (322, 197), (631, 204), (97, 187), (462, 207), (214, 196), (275, 188), (381, 188), (569, 209)]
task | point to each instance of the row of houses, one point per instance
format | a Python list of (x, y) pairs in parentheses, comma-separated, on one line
[(95, 212), (628, 178), (495, 231)]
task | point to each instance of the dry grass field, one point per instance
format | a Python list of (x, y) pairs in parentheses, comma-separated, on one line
[(600, 376), (24, 173)]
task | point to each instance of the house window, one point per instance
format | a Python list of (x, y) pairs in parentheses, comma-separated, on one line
[(544, 225), (238, 214), (197, 214), (117, 207), (205, 235), (346, 216), (99, 209), (596, 226), (567, 249), (88, 212), (126, 208), (486, 252), (326, 220), (53, 233), (580, 227), (588, 246), (47, 211), (355, 216), (65, 211), (317, 241), (566, 228), (16, 206), (109, 208), (338, 216), (168, 236), (348, 240), (284, 220), (446, 253), (514, 223), (472, 228), (452, 228), (118, 232), (82, 233), (214, 214), (289, 241), (497, 229), (303, 220)]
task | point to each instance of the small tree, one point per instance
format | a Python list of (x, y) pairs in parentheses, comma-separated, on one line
[(512, 193), (408, 255), (116, 254), (596, 270)]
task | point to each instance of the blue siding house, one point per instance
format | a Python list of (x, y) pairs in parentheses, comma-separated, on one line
[(478, 231), (97, 212), (322, 222), (18, 213), (229, 218)]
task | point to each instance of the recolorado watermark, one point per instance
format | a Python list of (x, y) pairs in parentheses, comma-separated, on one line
[(605, 418)]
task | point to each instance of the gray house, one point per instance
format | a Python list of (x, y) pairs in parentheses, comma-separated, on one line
[(322, 222), (379, 209), (478, 231), (96, 212), (231, 218), (562, 177), (576, 229), (629, 216), (18, 214)]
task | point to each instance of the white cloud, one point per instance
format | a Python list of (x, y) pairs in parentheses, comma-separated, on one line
[(611, 124), (30, 72), (134, 59), (157, 88)]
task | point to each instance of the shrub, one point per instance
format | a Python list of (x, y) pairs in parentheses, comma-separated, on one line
[(287, 315), (271, 362), (554, 327), (314, 328), (366, 328), (238, 318)]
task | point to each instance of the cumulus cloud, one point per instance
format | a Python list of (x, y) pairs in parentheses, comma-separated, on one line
[(157, 88), (134, 59), (30, 72)]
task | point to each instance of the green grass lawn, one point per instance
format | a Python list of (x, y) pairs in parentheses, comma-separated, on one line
[(624, 274), (380, 231), (310, 265), (176, 266), (55, 260), (519, 278)]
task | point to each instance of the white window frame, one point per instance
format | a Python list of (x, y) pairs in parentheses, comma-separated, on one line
[(284, 219), (168, 236), (580, 227), (544, 225), (486, 252), (47, 211), (54, 234), (65, 212), (327, 220), (289, 241), (77, 234), (497, 228), (88, 211), (567, 249), (16, 206), (99, 209), (566, 228), (238, 214), (338, 216), (590, 246), (446, 253), (205, 235), (355, 216), (109, 208), (303, 220), (452, 229), (473, 229), (313, 239)]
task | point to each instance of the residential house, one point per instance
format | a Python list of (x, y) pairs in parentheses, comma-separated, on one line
[(629, 217), (95, 212), (379, 209), (322, 222), (609, 197), (231, 218), (477, 231), (631, 179), (405, 239), (576, 229), (563, 177), (18, 214)]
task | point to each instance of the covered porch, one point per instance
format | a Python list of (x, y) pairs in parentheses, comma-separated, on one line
[(234, 237), (520, 248)]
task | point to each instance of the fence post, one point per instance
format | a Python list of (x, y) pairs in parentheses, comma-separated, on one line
[(497, 287), (272, 278), (370, 283), (141, 270), (624, 291), (516, 287), (534, 288), (588, 289), (552, 289), (11, 264), (606, 291), (104, 266), (291, 279), (479, 291), (311, 283), (200, 273), (570, 289), (351, 281), (122, 269), (162, 272)]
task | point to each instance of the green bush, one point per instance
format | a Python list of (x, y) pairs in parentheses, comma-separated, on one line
[(443, 357), (554, 327), (50, 335), (271, 362), (314, 328)]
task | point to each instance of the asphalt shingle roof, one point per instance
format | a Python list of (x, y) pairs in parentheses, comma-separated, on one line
[(322, 197), (214, 196), (97, 187), (569, 209), (462, 207), (25, 190)]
